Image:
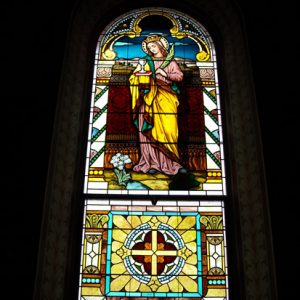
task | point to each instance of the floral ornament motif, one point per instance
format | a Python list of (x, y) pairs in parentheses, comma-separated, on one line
[(119, 161)]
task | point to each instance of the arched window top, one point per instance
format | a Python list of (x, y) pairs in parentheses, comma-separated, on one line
[(165, 121), (181, 26)]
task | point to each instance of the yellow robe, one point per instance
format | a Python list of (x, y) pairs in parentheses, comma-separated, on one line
[(160, 103)]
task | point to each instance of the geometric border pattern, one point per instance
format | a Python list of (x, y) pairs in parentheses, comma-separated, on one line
[(113, 228)]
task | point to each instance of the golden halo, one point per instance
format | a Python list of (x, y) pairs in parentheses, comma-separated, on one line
[(154, 38)]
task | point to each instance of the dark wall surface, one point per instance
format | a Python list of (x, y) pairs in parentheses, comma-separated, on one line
[(34, 40)]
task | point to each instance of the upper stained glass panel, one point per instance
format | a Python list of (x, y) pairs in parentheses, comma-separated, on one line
[(155, 120)]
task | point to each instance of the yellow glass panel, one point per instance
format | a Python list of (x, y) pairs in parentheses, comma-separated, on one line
[(175, 286), (132, 285), (119, 235), (144, 288), (91, 291), (84, 252), (118, 268), (189, 284), (192, 246), (116, 245), (187, 223), (115, 259), (192, 259), (189, 236), (163, 219), (121, 222), (189, 269), (134, 221), (174, 221), (216, 293), (145, 219), (163, 289), (119, 283)]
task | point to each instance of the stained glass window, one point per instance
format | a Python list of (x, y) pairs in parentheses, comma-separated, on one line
[(155, 129)]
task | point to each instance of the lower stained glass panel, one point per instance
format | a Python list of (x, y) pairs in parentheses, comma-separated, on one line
[(153, 252)]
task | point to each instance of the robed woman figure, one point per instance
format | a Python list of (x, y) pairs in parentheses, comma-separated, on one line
[(154, 103)]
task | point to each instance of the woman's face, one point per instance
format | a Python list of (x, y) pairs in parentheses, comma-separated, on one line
[(153, 48)]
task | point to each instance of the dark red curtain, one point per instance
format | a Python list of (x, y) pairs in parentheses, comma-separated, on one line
[(190, 113), (122, 135)]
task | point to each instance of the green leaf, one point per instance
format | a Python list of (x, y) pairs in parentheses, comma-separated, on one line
[(168, 58)]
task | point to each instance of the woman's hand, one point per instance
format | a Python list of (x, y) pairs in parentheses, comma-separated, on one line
[(161, 72)]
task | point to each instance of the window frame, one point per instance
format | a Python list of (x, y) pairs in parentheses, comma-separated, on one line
[(63, 200)]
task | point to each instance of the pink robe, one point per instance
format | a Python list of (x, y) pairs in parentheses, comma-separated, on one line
[(151, 156)]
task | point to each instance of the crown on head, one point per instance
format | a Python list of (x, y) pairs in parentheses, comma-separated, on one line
[(152, 38)]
